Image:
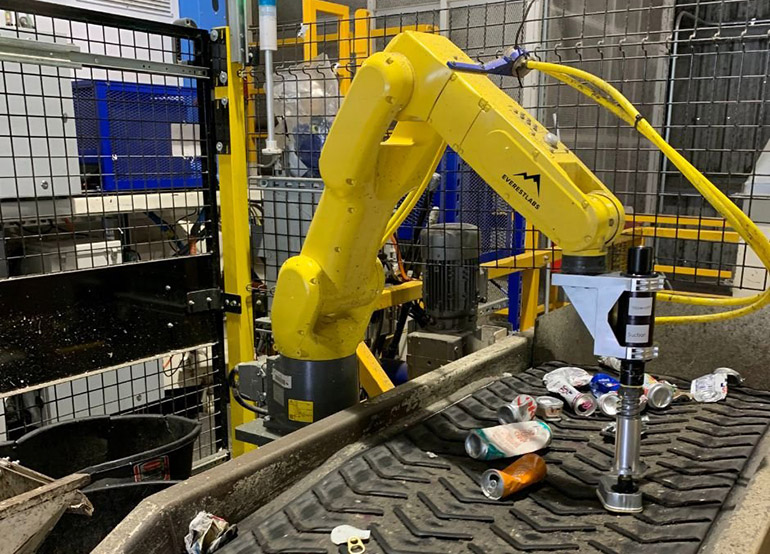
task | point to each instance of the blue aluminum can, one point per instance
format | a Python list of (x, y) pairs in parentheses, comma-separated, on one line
[(601, 383)]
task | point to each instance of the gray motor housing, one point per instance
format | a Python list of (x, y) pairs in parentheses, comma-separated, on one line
[(451, 277), (300, 392)]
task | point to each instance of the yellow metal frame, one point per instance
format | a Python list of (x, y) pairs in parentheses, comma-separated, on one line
[(705, 235), (310, 11), (236, 251), (396, 295), (678, 220)]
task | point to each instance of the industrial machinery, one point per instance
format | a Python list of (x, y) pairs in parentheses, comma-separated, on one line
[(437, 96), (325, 296), (451, 288)]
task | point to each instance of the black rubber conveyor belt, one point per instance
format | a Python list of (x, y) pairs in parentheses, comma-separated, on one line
[(419, 493)]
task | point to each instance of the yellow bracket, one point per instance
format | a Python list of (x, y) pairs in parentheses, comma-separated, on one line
[(373, 378), (399, 294), (685, 234), (678, 220), (531, 259), (696, 271)]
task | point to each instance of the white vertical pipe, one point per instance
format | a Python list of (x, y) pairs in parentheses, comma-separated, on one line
[(268, 43), (443, 17)]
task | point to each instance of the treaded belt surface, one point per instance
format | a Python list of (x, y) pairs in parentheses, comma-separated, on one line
[(419, 493)]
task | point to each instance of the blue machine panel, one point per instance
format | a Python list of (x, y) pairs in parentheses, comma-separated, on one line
[(138, 136)]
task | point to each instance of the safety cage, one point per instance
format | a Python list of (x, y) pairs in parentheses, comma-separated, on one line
[(109, 251)]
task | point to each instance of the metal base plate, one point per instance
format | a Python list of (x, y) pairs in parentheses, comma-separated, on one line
[(255, 432), (619, 502), (418, 492)]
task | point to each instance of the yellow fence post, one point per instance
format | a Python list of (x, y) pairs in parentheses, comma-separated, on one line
[(236, 249), (530, 285), (310, 9), (362, 43)]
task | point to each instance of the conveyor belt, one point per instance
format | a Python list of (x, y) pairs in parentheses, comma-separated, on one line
[(419, 492)]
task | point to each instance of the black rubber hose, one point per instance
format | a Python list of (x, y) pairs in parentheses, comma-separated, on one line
[(240, 398), (392, 351)]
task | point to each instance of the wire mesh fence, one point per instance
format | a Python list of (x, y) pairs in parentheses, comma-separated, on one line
[(697, 70), (106, 163), (182, 383), (99, 164)]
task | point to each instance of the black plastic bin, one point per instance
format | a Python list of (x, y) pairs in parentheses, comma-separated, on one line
[(130, 448)]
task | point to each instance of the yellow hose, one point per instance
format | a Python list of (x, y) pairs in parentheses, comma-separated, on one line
[(610, 98), (404, 209)]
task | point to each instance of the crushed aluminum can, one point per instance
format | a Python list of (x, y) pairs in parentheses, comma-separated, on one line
[(207, 533), (575, 376), (581, 403), (709, 388), (506, 441), (521, 408), (601, 383), (729, 372), (342, 533), (609, 403), (659, 394), (610, 361), (549, 408), (524, 472)]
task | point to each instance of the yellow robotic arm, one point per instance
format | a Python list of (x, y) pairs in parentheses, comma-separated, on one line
[(325, 296), (404, 106)]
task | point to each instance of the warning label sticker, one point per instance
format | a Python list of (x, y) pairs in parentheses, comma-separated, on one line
[(300, 410), (281, 379)]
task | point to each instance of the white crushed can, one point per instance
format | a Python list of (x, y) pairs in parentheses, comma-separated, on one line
[(549, 408), (521, 408), (730, 372), (575, 376), (506, 441), (581, 403), (709, 388)]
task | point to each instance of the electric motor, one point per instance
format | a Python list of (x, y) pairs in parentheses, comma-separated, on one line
[(450, 282)]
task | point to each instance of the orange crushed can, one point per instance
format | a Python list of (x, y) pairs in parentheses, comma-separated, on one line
[(526, 471)]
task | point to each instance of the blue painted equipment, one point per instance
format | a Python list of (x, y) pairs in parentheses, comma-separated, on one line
[(137, 136)]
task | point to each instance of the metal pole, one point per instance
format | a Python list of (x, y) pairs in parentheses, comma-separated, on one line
[(443, 17), (268, 44), (271, 147)]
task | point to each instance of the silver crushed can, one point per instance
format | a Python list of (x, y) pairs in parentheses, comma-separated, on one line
[(581, 403), (609, 403), (549, 408), (659, 395), (521, 408)]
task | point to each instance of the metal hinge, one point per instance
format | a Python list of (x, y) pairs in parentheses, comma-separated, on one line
[(213, 299)]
